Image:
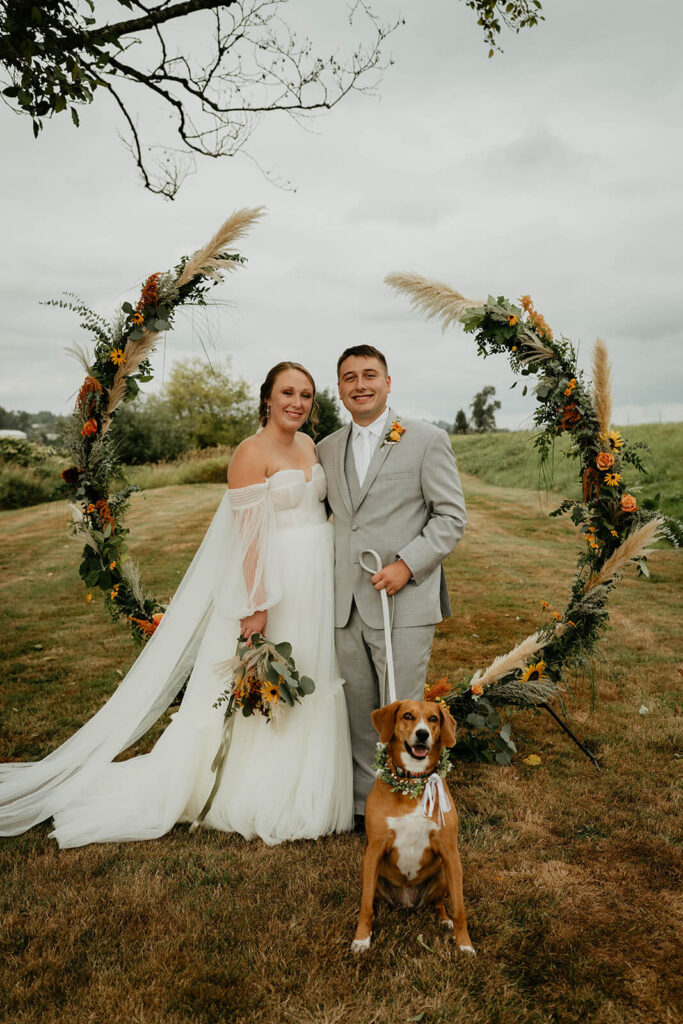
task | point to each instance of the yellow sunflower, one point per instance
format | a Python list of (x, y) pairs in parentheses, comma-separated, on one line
[(613, 479), (117, 356), (533, 672), (615, 439), (270, 692)]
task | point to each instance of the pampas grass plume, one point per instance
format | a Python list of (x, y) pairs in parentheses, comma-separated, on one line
[(635, 546), (210, 258), (602, 385), (432, 297)]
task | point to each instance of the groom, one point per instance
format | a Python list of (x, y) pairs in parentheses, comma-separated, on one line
[(398, 492)]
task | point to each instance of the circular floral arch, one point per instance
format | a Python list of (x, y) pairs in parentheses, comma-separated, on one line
[(618, 531)]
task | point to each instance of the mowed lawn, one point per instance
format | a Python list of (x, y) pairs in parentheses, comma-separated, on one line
[(571, 876)]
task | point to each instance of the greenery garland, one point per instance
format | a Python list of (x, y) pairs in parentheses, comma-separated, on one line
[(408, 786), (617, 529), (121, 362)]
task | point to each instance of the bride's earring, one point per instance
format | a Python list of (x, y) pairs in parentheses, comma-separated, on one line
[(267, 410)]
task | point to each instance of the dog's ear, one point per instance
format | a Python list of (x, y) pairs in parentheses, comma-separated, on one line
[(384, 720), (448, 727)]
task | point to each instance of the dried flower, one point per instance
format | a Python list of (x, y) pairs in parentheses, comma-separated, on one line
[(70, 475), (437, 690), (526, 303), (149, 296), (88, 389), (104, 512), (570, 416)]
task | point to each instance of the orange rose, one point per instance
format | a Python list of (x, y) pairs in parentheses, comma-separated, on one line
[(604, 461), (89, 427), (394, 435), (628, 503)]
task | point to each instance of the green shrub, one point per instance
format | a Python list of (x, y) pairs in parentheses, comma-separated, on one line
[(18, 452), (21, 486)]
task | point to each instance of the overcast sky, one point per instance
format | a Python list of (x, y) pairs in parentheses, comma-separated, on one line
[(553, 169)]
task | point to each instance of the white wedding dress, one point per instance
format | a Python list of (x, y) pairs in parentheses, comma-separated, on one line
[(269, 546)]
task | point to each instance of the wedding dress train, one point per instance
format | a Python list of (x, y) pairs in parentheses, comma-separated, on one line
[(271, 546)]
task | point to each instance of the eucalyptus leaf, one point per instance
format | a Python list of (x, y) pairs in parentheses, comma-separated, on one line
[(306, 685)]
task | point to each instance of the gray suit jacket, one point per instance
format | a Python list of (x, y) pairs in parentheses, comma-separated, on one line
[(411, 506)]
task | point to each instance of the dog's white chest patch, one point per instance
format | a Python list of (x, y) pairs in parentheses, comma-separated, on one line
[(412, 838)]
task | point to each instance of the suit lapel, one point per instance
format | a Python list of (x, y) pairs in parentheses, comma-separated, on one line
[(378, 459), (341, 471)]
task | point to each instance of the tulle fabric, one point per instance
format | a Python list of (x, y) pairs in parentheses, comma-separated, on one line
[(285, 780)]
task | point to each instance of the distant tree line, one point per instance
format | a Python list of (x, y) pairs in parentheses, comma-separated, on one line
[(198, 407), (483, 407)]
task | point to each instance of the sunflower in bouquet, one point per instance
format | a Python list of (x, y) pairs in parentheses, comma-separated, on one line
[(263, 679)]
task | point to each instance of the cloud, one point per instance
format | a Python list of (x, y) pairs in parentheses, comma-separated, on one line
[(553, 169)]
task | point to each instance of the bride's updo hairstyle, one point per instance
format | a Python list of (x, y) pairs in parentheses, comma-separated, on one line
[(267, 390)]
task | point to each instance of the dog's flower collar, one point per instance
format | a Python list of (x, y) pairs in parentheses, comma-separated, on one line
[(409, 785)]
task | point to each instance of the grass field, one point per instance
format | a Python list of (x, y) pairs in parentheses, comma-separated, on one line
[(510, 460), (571, 876)]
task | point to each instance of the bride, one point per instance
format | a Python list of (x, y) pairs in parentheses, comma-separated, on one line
[(265, 565)]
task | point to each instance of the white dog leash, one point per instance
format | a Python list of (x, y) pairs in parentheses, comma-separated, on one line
[(391, 682), (435, 796)]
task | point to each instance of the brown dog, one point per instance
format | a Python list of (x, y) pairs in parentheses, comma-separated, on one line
[(412, 857)]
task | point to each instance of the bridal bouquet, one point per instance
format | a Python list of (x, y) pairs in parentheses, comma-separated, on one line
[(263, 678)]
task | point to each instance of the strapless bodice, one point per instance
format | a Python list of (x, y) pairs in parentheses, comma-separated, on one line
[(297, 501)]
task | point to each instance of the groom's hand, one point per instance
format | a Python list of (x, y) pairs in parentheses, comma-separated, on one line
[(392, 577)]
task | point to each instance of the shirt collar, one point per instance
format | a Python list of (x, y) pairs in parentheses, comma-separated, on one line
[(375, 428)]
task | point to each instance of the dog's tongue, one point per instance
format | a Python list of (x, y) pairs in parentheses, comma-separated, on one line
[(420, 752)]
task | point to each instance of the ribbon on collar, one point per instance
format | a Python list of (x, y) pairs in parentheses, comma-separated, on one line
[(435, 796)]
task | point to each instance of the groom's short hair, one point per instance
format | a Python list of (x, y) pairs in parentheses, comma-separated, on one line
[(369, 351)]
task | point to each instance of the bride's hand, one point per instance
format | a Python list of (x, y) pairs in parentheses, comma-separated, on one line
[(255, 623)]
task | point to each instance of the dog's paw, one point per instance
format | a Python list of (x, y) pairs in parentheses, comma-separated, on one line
[(467, 949), (360, 945), (447, 924)]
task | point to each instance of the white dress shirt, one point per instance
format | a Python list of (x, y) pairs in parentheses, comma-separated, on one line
[(364, 443)]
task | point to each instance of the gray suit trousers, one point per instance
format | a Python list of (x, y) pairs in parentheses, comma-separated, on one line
[(361, 652)]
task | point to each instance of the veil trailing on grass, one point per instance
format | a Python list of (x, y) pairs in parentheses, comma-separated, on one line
[(235, 547)]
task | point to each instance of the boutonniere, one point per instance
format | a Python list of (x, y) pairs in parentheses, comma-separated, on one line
[(393, 434)]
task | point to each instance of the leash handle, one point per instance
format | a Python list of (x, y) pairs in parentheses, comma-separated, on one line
[(391, 681)]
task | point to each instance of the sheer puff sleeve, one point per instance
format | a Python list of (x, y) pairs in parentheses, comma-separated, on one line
[(252, 581)]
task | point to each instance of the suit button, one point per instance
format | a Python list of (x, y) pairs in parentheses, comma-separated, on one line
[(353, 526)]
